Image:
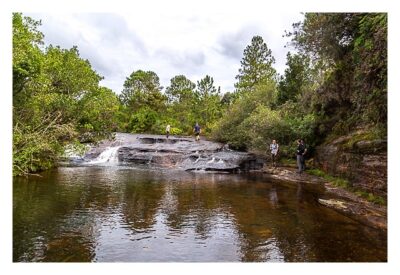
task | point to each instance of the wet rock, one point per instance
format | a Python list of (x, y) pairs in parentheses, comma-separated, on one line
[(333, 203), (291, 175), (356, 208), (176, 152), (336, 198)]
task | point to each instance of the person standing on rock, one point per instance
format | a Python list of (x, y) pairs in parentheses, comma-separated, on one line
[(274, 148), (167, 130), (305, 152), (301, 150), (197, 131)]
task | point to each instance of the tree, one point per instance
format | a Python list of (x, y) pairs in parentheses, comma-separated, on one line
[(99, 110), (144, 101), (68, 73), (208, 105), (297, 77), (180, 89), (352, 48), (27, 55), (56, 99), (143, 89), (182, 101), (256, 65)]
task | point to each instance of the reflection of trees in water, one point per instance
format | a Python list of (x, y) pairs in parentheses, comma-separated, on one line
[(273, 220), (141, 202), (250, 206), (191, 203), (49, 223), (57, 217)]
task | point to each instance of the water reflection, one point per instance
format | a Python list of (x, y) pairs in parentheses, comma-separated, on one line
[(122, 214)]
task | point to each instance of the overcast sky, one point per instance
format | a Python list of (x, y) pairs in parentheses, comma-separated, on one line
[(168, 44)]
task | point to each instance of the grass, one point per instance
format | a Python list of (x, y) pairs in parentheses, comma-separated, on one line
[(344, 183), (336, 181), (371, 197), (287, 162)]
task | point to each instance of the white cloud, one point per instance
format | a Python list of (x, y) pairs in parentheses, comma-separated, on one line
[(169, 44)]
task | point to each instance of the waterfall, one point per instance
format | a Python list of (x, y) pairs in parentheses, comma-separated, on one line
[(110, 155), (211, 161), (151, 158)]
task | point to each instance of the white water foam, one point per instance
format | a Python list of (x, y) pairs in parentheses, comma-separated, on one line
[(211, 161), (110, 155)]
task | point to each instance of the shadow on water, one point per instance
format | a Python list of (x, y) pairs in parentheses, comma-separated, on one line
[(81, 214)]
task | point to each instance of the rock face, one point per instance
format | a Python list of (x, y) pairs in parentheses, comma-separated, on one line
[(175, 152), (363, 162)]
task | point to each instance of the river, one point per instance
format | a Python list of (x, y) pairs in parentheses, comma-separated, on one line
[(128, 214)]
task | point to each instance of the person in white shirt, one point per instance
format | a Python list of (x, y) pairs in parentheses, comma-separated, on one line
[(167, 130), (274, 148)]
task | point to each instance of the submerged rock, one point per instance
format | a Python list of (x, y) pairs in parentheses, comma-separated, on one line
[(333, 203)]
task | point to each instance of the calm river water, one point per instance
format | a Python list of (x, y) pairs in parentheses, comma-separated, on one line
[(121, 214)]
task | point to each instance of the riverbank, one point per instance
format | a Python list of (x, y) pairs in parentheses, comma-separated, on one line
[(337, 198)]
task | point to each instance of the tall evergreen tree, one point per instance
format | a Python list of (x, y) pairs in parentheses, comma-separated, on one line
[(208, 107), (256, 65)]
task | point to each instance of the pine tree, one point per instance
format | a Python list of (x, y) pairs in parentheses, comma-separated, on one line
[(256, 65)]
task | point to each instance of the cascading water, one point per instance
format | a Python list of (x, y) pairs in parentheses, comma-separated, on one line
[(110, 155), (175, 153)]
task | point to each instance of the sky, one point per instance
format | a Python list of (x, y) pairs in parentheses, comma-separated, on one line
[(116, 44)]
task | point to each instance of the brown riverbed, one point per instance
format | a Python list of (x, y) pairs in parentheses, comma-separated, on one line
[(123, 214)]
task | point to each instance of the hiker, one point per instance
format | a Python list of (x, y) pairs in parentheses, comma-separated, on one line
[(274, 148), (305, 152), (167, 130), (197, 131), (301, 150)]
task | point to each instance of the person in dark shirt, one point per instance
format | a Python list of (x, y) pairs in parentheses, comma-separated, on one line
[(301, 151), (304, 154), (197, 131)]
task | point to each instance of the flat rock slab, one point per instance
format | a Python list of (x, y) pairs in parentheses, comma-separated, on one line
[(175, 152), (336, 198)]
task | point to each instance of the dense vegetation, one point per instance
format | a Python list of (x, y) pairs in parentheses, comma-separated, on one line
[(334, 82)]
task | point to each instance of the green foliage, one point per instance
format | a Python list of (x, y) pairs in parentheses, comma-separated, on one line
[(56, 99), (371, 197), (336, 181), (256, 65), (142, 89), (27, 56), (181, 90), (143, 103), (298, 78), (37, 147), (207, 108), (67, 73), (98, 113), (143, 120), (236, 125), (352, 50)]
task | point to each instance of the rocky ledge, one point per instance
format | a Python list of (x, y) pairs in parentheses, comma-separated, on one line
[(175, 152), (336, 198)]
